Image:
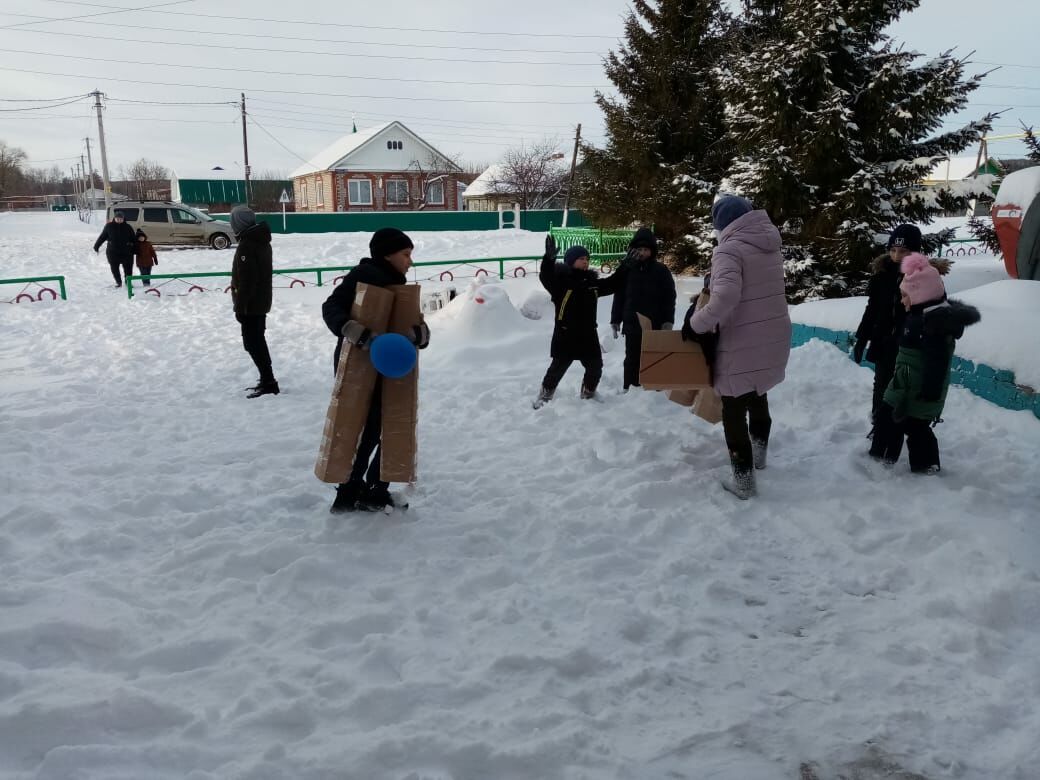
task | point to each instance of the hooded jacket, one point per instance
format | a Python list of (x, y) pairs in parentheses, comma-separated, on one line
[(251, 271), (922, 376), (121, 240), (748, 305), (575, 295), (337, 307), (649, 289)]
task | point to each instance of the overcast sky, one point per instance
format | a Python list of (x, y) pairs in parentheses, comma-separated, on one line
[(507, 72)]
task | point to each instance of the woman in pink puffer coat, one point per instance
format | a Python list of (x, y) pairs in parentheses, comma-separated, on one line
[(748, 306)]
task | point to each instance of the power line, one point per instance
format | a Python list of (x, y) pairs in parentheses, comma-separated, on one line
[(340, 126), (44, 108), (173, 103), (303, 39), (41, 100), (301, 92), (310, 75), (290, 151), (100, 13), (357, 26), (264, 101), (270, 50)]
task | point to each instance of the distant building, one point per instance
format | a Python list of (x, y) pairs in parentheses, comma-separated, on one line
[(493, 189), (95, 198), (384, 168), (957, 169), (217, 189)]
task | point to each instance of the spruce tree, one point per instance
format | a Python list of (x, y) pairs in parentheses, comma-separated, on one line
[(833, 125), (666, 146)]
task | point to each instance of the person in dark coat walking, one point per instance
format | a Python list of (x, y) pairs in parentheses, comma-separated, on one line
[(575, 291), (251, 293), (146, 257), (121, 246), (916, 394), (877, 337), (391, 258), (649, 290)]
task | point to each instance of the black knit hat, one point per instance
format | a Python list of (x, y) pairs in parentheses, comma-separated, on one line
[(386, 241), (644, 238), (908, 236)]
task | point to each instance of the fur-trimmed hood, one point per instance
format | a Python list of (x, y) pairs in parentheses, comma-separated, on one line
[(950, 318), (883, 263)]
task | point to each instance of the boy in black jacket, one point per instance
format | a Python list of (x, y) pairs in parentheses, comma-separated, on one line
[(650, 291), (575, 292), (391, 258)]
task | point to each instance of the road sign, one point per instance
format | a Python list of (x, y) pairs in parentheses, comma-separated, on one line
[(284, 198)]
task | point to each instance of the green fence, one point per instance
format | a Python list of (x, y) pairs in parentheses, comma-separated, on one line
[(593, 239), (478, 267), (26, 295), (416, 221)]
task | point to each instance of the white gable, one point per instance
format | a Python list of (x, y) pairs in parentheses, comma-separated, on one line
[(488, 183), (953, 169), (376, 149)]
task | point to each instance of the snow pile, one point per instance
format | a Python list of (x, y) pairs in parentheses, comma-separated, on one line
[(571, 594)]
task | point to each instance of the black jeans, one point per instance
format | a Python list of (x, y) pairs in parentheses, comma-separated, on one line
[(147, 274), (116, 263), (255, 343), (633, 344), (883, 371), (745, 417), (593, 365), (922, 448), (366, 465)]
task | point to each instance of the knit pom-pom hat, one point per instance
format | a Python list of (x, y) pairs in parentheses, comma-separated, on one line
[(921, 280)]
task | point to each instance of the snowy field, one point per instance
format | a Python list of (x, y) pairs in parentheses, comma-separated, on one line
[(571, 595)]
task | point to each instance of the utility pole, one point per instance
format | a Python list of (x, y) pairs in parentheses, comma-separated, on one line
[(73, 180), (574, 166), (90, 170), (83, 179), (245, 150), (104, 154)]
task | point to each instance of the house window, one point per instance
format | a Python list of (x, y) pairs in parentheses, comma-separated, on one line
[(435, 193), (359, 192), (397, 192), (394, 145), (319, 190), (303, 193)]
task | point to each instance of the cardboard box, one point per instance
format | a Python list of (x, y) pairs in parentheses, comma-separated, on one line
[(352, 391), (666, 362), (401, 396), (708, 406), (682, 397)]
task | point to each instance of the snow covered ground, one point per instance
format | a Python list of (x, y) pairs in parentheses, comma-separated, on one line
[(571, 595)]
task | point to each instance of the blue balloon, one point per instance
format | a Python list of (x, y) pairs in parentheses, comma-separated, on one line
[(392, 354)]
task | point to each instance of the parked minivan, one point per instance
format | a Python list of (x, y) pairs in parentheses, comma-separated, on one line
[(168, 223)]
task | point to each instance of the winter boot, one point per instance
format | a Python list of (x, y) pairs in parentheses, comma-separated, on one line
[(587, 393), (544, 396), (264, 388), (758, 453), (376, 498), (742, 484), (347, 496)]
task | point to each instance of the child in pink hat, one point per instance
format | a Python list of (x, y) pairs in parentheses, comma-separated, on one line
[(916, 394)]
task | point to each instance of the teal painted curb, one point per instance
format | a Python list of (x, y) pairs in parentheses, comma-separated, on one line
[(992, 384)]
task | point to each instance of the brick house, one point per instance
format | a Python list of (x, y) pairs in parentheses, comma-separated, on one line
[(384, 168)]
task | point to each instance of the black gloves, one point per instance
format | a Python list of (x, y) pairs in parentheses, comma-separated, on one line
[(857, 350), (420, 335), (551, 250), (688, 333)]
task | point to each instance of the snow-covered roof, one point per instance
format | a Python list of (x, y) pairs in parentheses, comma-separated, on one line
[(1019, 188), (485, 183), (218, 172), (333, 153), (96, 194), (954, 169)]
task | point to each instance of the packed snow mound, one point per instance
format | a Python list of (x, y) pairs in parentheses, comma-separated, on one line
[(1007, 336), (538, 305)]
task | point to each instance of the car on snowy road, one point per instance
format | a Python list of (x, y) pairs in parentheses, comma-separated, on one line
[(173, 224)]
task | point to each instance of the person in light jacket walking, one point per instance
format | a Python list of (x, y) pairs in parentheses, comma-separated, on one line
[(748, 305)]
